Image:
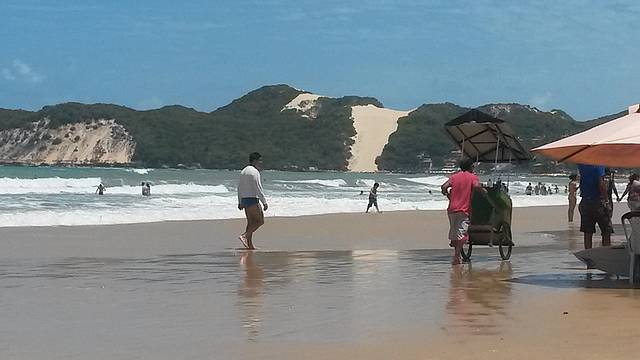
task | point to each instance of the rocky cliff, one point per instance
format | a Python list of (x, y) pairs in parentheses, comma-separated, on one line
[(94, 142)]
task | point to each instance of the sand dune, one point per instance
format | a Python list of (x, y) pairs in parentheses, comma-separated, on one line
[(303, 102), (373, 126)]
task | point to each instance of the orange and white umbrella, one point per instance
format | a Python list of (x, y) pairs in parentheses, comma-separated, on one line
[(615, 144)]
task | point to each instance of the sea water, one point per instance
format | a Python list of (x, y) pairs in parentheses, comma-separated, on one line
[(41, 196)]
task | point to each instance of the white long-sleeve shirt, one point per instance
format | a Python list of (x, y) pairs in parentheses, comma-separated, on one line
[(249, 184)]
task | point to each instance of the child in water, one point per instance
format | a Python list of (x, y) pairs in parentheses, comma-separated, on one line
[(373, 198)]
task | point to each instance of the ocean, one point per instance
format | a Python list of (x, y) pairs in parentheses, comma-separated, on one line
[(44, 196)]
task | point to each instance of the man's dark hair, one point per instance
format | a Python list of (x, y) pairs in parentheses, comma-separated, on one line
[(573, 177), (466, 164), (376, 184), (254, 156)]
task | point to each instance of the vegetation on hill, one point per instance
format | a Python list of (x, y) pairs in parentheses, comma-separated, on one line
[(318, 138), (421, 133)]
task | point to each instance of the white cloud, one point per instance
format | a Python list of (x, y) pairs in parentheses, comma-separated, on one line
[(22, 72), (26, 72)]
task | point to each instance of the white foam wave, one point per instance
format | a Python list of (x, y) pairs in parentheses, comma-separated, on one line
[(330, 183), (146, 210), (167, 189), (59, 185), (54, 185), (140, 171), (223, 206), (429, 180)]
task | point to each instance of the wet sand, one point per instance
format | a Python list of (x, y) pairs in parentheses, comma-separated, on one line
[(323, 287)]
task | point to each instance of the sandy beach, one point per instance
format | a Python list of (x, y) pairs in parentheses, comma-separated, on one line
[(324, 287)]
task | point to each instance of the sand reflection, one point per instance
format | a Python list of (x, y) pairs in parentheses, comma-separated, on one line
[(251, 294), (478, 298), (262, 272)]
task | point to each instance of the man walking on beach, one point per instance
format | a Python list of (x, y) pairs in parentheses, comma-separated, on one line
[(459, 189), (594, 206), (250, 195)]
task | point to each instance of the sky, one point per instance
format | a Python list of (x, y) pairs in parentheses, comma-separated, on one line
[(578, 56)]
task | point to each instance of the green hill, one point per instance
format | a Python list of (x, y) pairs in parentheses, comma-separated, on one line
[(421, 133), (319, 137), (175, 135)]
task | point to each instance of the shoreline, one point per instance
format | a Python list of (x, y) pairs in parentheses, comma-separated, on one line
[(619, 210), (398, 230)]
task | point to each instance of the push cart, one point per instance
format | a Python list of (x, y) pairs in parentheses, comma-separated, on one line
[(484, 138)]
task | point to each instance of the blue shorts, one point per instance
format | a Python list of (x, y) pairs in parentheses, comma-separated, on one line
[(246, 202)]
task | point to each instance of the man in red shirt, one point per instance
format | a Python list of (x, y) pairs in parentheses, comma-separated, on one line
[(459, 189)]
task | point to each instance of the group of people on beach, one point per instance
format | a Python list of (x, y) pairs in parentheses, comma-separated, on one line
[(542, 189), (596, 187)]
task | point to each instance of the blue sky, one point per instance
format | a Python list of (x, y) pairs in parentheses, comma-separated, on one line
[(579, 56)]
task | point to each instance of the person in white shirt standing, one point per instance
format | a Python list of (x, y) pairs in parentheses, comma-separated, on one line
[(250, 195)]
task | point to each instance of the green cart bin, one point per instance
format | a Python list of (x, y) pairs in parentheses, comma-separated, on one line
[(490, 222)]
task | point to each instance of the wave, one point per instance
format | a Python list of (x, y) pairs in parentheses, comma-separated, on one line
[(167, 189), (103, 211), (329, 183), (57, 185), (139, 171), (429, 180)]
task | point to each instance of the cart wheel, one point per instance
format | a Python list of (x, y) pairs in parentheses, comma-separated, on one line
[(466, 251), (506, 244)]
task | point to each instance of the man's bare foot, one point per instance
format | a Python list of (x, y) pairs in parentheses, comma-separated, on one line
[(243, 240)]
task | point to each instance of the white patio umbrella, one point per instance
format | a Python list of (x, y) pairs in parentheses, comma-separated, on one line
[(614, 144)]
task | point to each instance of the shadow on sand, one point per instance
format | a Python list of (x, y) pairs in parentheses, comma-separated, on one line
[(586, 280)]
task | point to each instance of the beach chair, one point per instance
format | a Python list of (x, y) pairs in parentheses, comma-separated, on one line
[(631, 226)]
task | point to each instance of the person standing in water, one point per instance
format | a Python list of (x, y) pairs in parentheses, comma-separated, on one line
[(529, 189), (594, 207), (373, 197), (573, 190), (633, 189), (459, 189), (611, 188), (250, 195), (100, 189)]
